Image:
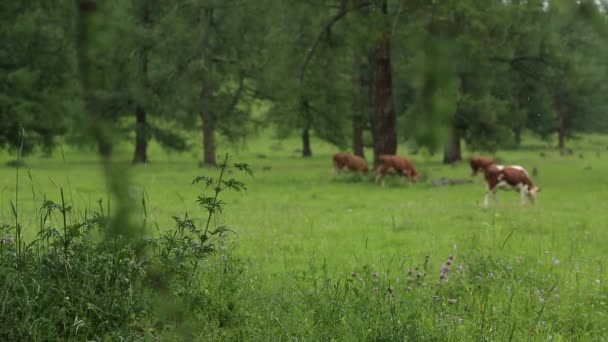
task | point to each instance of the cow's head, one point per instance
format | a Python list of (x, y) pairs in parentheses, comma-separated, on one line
[(474, 167), (532, 193), (413, 175)]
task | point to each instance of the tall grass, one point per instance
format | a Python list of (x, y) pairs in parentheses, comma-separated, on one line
[(72, 282)]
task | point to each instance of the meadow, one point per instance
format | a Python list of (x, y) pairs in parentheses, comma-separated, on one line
[(305, 238)]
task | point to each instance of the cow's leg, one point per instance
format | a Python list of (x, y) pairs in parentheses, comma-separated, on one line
[(522, 195), (486, 197), (379, 177), (380, 174)]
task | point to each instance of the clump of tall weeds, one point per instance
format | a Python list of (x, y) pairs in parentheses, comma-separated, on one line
[(70, 283)]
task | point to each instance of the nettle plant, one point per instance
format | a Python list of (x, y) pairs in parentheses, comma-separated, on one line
[(181, 254), (189, 240)]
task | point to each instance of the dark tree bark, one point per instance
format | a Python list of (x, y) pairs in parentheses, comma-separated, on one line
[(104, 147), (208, 139), (208, 110), (517, 134), (384, 118), (141, 136), (209, 121), (561, 134), (140, 155), (306, 150), (358, 136), (358, 107), (561, 110), (452, 152)]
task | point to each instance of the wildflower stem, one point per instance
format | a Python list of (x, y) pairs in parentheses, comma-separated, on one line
[(217, 190)]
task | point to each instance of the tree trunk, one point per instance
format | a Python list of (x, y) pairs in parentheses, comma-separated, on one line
[(452, 152), (358, 136), (306, 150), (384, 119), (517, 133), (140, 155), (561, 134), (104, 146), (208, 139), (209, 120), (358, 107), (141, 136)]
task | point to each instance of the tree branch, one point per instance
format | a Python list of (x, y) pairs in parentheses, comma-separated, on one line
[(518, 64), (237, 94), (332, 21)]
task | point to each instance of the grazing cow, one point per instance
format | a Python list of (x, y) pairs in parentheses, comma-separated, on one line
[(480, 163), (513, 177), (401, 165), (351, 162)]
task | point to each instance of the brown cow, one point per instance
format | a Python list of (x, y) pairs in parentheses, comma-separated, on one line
[(351, 162), (480, 163), (401, 165), (513, 177)]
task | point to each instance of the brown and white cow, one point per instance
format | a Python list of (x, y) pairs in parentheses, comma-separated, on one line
[(346, 161), (400, 165), (480, 163), (513, 177)]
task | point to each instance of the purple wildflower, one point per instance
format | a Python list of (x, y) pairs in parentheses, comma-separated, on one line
[(444, 268)]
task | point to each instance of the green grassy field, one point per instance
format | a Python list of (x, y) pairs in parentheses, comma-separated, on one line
[(296, 207), (296, 213)]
